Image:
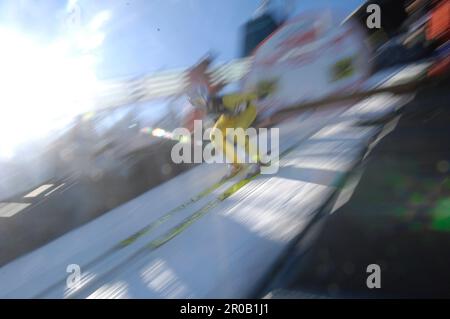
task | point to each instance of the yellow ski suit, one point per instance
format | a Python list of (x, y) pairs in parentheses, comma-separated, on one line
[(235, 119)]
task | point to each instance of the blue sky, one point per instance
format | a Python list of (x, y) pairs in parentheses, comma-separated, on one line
[(143, 36)]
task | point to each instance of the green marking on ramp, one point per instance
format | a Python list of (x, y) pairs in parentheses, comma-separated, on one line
[(131, 239), (172, 233)]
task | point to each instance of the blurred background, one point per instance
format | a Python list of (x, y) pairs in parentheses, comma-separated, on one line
[(92, 91)]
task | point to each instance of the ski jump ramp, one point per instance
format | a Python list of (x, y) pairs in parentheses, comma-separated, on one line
[(193, 237)]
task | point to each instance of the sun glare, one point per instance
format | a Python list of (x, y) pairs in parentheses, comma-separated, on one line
[(44, 86)]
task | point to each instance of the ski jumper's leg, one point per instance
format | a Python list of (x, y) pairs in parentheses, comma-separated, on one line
[(228, 142), (222, 143), (244, 120)]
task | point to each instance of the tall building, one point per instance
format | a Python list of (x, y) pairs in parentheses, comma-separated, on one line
[(256, 30)]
